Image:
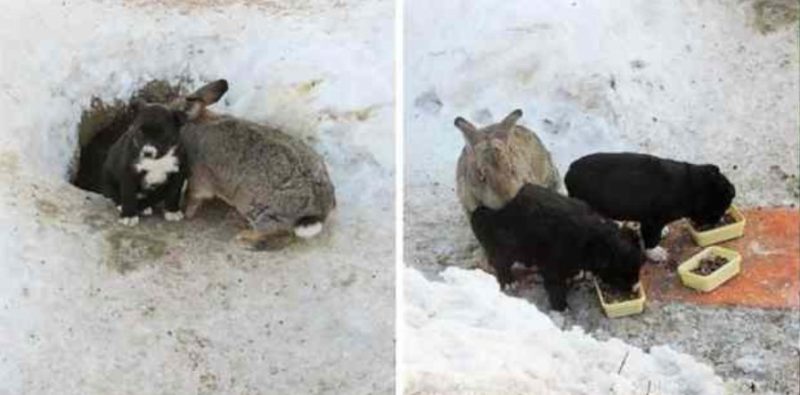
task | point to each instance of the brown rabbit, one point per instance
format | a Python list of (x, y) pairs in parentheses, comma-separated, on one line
[(498, 160), (275, 181)]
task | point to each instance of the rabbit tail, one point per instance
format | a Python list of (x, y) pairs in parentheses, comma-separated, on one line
[(308, 227)]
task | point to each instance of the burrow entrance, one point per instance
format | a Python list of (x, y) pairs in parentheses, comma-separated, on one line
[(103, 123)]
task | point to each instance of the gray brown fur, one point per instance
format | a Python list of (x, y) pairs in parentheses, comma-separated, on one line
[(274, 180), (498, 160)]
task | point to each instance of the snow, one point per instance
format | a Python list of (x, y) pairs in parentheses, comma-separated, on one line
[(279, 72), (88, 306), (694, 81), (466, 337), (750, 364)]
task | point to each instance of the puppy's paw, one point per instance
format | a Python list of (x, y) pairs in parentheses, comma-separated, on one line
[(147, 211), (129, 221), (665, 232), (658, 254), (173, 216)]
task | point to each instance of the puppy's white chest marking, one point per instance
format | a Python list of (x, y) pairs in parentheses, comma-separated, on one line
[(156, 171)]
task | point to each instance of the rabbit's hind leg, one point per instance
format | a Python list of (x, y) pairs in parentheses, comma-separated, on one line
[(255, 240), (200, 188), (193, 204)]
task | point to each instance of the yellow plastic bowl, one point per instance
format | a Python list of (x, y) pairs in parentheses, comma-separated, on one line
[(622, 309), (723, 233), (718, 277)]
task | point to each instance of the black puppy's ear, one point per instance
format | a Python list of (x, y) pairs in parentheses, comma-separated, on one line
[(180, 117), (138, 105), (710, 169), (720, 183)]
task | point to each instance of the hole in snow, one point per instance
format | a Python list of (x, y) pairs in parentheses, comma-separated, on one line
[(103, 123)]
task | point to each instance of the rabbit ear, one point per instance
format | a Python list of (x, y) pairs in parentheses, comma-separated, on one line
[(468, 130), (511, 119), (194, 104), (209, 94)]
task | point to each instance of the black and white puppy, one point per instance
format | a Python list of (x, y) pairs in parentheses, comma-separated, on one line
[(650, 190), (559, 235), (147, 165)]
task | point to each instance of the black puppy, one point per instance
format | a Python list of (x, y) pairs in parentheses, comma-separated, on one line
[(561, 236), (651, 191), (147, 164)]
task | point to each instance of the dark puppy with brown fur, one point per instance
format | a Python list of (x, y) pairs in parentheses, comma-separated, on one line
[(561, 236), (650, 190), (147, 164)]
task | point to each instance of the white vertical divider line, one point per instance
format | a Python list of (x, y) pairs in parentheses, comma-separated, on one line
[(399, 161)]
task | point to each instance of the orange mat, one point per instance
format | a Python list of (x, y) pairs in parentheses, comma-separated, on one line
[(770, 276)]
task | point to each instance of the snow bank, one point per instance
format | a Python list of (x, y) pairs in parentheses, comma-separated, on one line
[(695, 81), (284, 73), (465, 337)]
